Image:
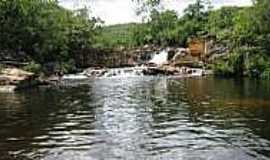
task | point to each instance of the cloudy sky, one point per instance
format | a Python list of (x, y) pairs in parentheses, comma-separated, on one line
[(124, 11)]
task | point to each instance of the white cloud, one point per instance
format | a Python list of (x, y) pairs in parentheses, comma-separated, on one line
[(115, 11), (124, 11), (220, 3)]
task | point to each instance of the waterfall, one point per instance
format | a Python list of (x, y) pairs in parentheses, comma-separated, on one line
[(160, 58), (74, 77)]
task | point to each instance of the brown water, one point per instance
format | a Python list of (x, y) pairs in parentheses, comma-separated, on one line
[(138, 118)]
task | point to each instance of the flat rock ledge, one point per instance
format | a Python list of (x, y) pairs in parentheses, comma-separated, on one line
[(13, 79)]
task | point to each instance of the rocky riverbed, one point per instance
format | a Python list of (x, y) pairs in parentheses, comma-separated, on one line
[(139, 71), (147, 61), (167, 62)]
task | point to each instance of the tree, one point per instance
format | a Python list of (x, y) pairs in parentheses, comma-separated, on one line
[(44, 31), (221, 22)]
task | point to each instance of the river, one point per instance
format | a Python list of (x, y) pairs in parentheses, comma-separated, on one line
[(155, 118)]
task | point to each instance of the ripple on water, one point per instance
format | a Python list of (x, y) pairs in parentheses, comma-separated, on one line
[(137, 118)]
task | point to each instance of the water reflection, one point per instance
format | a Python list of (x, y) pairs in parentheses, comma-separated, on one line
[(139, 118)]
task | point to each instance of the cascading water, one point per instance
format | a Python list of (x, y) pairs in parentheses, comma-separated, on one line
[(107, 73), (79, 76), (160, 58), (124, 72)]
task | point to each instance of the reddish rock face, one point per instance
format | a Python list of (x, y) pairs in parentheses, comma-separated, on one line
[(196, 47), (131, 61)]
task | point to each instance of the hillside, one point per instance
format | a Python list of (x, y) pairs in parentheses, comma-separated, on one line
[(116, 35)]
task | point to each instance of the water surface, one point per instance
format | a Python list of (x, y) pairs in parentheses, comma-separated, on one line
[(138, 118)]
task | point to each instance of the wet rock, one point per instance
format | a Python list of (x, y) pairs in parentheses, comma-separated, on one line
[(131, 62), (180, 53), (53, 78), (4, 80), (16, 72), (12, 79), (94, 72), (163, 70), (7, 88)]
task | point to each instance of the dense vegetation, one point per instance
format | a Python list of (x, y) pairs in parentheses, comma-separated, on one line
[(44, 33), (244, 30), (116, 35)]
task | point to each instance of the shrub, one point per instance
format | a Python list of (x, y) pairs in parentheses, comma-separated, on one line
[(33, 67), (222, 68), (266, 74)]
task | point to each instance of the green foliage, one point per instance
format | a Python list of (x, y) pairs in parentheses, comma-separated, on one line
[(231, 66), (43, 30), (115, 35), (266, 74), (222, 68), (256, 64), (247, 33), (221, 23), (198, 10), (166, 28), (161, 27), (141, 35), (243, 61), (33, 67)]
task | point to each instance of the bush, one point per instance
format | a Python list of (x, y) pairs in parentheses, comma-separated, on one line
[(231, 66), (45, 31), (33, 67), (222, 68), (266, 74), (256, 65)]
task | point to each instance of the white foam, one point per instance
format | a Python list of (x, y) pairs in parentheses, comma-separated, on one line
[(160, 58), (74, 76)]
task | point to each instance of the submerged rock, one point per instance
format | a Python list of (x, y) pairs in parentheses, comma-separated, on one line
[(162, 70)]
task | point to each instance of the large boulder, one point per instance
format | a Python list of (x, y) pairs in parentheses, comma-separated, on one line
[(12, 79)]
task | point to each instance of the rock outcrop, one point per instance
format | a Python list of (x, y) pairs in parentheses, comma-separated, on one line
[(115, 58), (12, 79)]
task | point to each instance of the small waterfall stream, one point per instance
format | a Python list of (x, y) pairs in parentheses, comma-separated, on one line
[(160, 58), (156, 65), (124, 72)]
